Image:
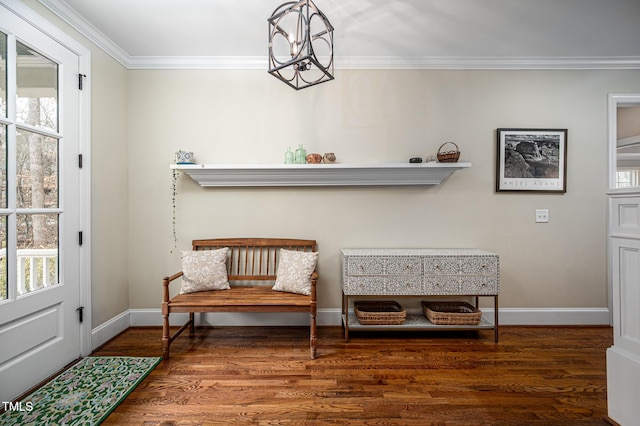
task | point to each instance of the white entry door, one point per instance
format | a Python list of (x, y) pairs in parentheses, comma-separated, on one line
[(39, 207)]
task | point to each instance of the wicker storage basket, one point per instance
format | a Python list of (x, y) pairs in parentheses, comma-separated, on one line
[(451, 313), (448, 156), (379, 312)]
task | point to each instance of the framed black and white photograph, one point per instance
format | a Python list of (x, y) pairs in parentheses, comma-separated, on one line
[(533, 160)]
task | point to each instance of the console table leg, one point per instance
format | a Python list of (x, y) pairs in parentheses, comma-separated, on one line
[(495, 315), (345, 316)]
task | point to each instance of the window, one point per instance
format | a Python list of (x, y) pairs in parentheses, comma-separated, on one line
[(627, 177), (29, 159)]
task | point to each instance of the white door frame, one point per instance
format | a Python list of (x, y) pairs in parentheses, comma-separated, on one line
[(614, 101), (84, 132), (623, 358)]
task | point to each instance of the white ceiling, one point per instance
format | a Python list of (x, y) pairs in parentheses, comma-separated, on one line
[(368, 33)]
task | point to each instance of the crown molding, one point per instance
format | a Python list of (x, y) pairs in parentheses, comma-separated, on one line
[(84, 27), (87, 29), (37, 21), (391, 63), (489, 63), (198, 62)]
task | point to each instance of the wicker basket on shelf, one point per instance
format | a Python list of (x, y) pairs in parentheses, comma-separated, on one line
[(374, 312), (448, 156), (451, 313)]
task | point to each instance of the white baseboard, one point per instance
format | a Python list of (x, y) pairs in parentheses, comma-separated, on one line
[(153, 317), (333, 317), (108, 330), (549, 316)]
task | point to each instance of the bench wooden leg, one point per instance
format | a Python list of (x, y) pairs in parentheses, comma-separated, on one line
[(313, 333), (192, 326), (166, 339)]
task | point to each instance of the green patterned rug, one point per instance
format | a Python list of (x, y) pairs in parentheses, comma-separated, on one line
[(84, 394)]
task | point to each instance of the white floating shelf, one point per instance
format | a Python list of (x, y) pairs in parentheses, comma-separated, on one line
[(339, 174)]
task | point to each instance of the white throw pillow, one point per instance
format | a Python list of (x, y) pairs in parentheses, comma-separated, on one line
[(204, 270), (294, 271)]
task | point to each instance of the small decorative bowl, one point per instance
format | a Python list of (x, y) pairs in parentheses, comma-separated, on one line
[(314, 158), (329, 157)]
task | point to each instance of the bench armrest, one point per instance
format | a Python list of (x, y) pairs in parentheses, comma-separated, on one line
[(165, 285), (314, 282)]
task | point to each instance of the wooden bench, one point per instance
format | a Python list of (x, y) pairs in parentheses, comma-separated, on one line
[(251, 261)]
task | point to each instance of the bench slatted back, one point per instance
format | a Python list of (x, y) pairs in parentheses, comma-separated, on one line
[(254, 259)]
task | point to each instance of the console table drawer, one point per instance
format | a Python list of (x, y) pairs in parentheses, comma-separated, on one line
[(364, 285), (403, 266), (461, 265), (481, 285), (383, 284), (460, 285), (479, 266), (404, 284), (442, 284), (384, 266), (365, 266)]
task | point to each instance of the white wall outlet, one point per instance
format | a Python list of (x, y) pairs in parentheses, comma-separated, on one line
[(542, 215)]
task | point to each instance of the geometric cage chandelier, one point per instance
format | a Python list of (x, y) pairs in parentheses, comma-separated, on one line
[(300, 45)]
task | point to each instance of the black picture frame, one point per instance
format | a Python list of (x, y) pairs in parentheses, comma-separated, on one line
[(531, 160)]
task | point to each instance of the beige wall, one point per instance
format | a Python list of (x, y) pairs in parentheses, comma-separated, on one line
[(140, 118), (109, 200), (376, 116), (109, 189)]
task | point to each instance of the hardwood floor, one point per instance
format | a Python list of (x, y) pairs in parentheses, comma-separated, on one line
[(263, 376)]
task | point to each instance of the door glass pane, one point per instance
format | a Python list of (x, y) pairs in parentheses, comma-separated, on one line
[(3, 258), (3, 167), (3, 74), (36, 171), (37, 251), (37, 94)]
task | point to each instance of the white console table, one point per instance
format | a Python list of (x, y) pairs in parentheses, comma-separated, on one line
[(393, 273)]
